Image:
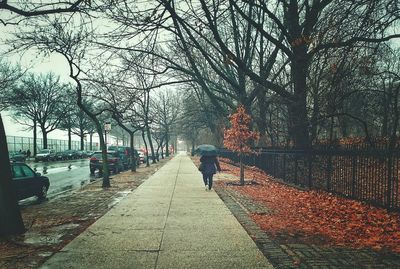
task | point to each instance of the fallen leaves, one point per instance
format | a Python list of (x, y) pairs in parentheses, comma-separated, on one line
[(309, 213)]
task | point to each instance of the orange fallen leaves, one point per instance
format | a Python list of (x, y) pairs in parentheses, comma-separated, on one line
[(340, 221)]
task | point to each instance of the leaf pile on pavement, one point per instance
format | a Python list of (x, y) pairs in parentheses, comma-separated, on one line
[(317, 216)]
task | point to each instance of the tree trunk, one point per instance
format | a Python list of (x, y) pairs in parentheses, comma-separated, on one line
[(298, 128), (99, 129), (147, 151), (34, 138), (153, 157), (315, 115), (192, 152), (262, 117), (69, 138), (103, 146), (241, 169), (90, 141), (44, 133), (167, 145), (344, 126), (82, 137), (11, 220), (331, 138), (393, 136), (299, 123), (133, 156)]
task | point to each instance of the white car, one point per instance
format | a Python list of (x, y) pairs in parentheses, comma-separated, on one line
[(45, 155)]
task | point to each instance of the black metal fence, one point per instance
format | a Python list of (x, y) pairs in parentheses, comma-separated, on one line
[(366, 175)]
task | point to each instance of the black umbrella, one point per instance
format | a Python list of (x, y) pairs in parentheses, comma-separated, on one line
[(207, 150)]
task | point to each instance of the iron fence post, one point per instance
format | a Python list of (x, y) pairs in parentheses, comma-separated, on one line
[(295, 170), (329, 176), (310, 170), (353, 180), (389, 184), (347, 172), (284, 166)]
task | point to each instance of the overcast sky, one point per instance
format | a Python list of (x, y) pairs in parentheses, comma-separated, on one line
[(37, 64)]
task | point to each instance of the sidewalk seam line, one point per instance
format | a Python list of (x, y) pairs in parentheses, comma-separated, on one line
[(169, 208)]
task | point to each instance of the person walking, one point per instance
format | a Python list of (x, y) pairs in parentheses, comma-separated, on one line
[(209, 166), (28, 153)]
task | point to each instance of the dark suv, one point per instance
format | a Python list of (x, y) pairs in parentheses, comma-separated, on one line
[(27, 183), (113, 159), (71, 154)]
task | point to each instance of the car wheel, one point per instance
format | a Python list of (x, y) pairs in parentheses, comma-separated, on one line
[(43, 193)]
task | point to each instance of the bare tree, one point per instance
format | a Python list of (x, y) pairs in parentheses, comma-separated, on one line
[(24, 9), (11, 220), (297, 30), (37, 101), (166, 112), (71, 42), (8, 204)]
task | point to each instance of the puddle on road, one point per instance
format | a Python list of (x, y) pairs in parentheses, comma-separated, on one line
[(52, 237), (68, 226), (57, 192), (45, 254), (52, 168), (42, 240)]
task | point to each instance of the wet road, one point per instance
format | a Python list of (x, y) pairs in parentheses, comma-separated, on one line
[(63, 175)]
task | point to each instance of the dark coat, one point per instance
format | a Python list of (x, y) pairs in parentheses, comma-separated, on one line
[(210, 165)]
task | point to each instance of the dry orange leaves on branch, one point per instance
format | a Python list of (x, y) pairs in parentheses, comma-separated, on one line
[(310, 213), (239, 136)]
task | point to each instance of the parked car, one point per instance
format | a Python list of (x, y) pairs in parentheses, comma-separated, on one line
[(17, 157), (113, 159), (150, 157), (60, 156), (125, 155), (82, 154), (45, 155), (27, 183), (71, 154)]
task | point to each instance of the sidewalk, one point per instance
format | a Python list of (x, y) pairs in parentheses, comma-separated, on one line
[(169, 221)]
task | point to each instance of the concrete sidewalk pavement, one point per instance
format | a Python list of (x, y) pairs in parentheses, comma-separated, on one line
[(169, 221)]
